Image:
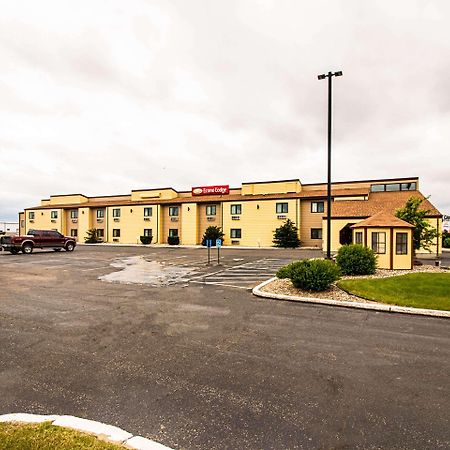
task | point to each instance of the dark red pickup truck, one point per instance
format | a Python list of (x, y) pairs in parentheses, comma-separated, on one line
[(38, 239)]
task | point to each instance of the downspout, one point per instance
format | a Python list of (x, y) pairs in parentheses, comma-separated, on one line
[(107, 223), (157, 224), (437, 238)]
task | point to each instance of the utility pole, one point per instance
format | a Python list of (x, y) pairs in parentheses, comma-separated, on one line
[(329, 75)]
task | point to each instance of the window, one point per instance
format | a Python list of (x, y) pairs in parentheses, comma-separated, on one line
[(74, 214), (379, 242), (173, 232), (408, 186), (173, 211), (148, 212), (74, 232), (236, 210), (317, 207), (316, 233), (392, 187), (210, 210), (148, 232), (100, 213), (22, 223), (31, 215), (235, 233), (54, 215), (377, 187), (282, 208), (101, 232), (358, 237), (116, 232), (401, 243), (116, 213)]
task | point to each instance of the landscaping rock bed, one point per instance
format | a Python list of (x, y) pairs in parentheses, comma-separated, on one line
[(285, 287)]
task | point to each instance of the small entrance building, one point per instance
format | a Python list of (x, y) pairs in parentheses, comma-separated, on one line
[(389, 237)]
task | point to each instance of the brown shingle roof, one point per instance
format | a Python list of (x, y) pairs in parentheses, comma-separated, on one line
[(210, 199), (387, 202), (382, 219)]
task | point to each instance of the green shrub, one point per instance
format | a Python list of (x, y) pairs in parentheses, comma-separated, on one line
[(286, 271), (314, 274), (146, 240), (286, 235), (212, 233), (92, 237), (356, 259), (173, 240)]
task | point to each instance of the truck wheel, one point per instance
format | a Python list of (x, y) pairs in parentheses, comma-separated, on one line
[(27, 248), (69, 247), (14, 251), (57, 249)]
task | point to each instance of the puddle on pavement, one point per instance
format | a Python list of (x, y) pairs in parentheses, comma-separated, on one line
[(137, 270)]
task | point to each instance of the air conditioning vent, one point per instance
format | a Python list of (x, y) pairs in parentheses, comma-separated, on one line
[(116, 219), (115, 239), (74, 220), (53, 221), (281, 216), (235, 217), (99, 220), (234, 242), (211, 219), (174, 219), (31, 220), (147, 219)]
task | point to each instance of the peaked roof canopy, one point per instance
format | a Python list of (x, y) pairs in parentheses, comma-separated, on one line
[(383, 219)]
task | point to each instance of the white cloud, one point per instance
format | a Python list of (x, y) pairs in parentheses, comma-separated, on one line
[(105, 97)]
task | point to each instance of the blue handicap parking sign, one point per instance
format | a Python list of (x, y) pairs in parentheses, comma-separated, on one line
[(218, 243)]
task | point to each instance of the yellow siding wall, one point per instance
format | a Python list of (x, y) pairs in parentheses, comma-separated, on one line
[(189, 223), (70, 225), (131, 223), (257, 225), (402, 261), (434, 248), (21, 223), (153, 193), (43, 221), (84, 223), (168, 222), (67, 199), (281, 187), (383, 260), (310, 220), (336, 226), (204, 222)]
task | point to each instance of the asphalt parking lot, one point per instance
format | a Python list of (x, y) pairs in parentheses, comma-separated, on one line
[(170, 348)]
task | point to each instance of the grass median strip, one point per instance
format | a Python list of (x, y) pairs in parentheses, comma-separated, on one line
[(45, 436), (417, 290)]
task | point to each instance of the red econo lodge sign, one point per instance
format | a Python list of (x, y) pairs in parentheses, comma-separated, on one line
[(211, 190)]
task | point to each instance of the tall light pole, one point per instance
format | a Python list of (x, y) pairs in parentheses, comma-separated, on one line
[(329, 75)]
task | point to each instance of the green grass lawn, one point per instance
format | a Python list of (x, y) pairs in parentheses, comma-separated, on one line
[(45, 436), (418, 290)]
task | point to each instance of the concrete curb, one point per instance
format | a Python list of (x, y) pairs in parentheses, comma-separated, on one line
[(224, 247), (370, 306), (108, 432)]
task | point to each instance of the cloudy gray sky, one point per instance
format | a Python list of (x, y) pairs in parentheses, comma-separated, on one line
[(101, 97)]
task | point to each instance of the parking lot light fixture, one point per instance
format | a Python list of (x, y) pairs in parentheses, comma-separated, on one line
[(329, 75)]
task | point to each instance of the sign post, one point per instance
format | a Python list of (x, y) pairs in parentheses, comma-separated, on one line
[(209, 245), (218, 245)]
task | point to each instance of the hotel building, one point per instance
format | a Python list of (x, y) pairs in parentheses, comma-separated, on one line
[(248, 215)]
